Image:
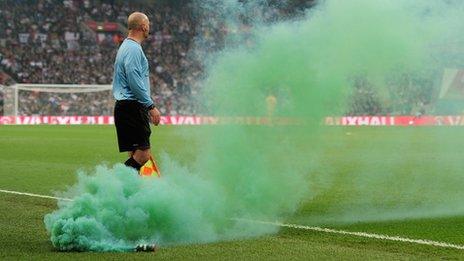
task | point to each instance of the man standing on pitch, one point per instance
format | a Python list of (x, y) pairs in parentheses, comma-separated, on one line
[(134, 107)]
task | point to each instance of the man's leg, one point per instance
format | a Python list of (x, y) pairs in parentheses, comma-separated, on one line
[(138, 158)]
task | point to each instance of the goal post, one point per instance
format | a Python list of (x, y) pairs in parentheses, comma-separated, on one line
[(2, 95), (57, 99), (8, 100)]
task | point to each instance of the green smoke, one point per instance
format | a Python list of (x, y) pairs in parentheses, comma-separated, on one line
[(114, 209), (408, 174), (259, 172)]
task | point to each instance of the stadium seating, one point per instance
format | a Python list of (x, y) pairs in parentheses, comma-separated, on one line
[(46, 42), (50, 41)]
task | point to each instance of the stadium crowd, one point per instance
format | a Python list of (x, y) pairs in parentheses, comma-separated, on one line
[(48, 41)]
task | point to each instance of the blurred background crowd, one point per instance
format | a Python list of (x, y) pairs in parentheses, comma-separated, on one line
[(75, 42)]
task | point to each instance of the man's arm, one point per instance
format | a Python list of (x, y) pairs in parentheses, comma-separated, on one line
[(136, 80)]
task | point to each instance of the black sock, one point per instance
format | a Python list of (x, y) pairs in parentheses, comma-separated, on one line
[(131, 162)]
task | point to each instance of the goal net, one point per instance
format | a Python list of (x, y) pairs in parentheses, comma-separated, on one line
[(57, 100)]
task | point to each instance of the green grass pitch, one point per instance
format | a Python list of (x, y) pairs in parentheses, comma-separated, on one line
[(44, 159)]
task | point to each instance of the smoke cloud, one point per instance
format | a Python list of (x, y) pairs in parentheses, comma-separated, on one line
[(266, 172)]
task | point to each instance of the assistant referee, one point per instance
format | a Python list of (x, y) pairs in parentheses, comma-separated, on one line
[(134, 108)]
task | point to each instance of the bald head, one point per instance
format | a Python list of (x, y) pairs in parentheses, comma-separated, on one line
[(136, 20), (138, 25)]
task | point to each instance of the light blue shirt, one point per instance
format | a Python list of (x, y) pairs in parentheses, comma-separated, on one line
[(131, 76)]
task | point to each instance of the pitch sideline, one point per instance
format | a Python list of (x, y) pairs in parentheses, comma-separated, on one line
[(295, 226), (33, 195)]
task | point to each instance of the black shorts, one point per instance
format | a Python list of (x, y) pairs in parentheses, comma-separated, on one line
[(132, 125)]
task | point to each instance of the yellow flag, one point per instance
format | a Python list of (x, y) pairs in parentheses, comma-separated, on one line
[(150, 169)]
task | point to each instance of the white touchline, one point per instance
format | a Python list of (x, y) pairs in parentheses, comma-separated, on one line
[(360, 234), (33, 195), (318, 229)]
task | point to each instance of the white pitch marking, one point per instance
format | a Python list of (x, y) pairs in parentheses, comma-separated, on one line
[(318, 229), (33, 195), (362, 234)]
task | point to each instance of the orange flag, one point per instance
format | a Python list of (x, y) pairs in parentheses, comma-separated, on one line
[(150, 169)]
